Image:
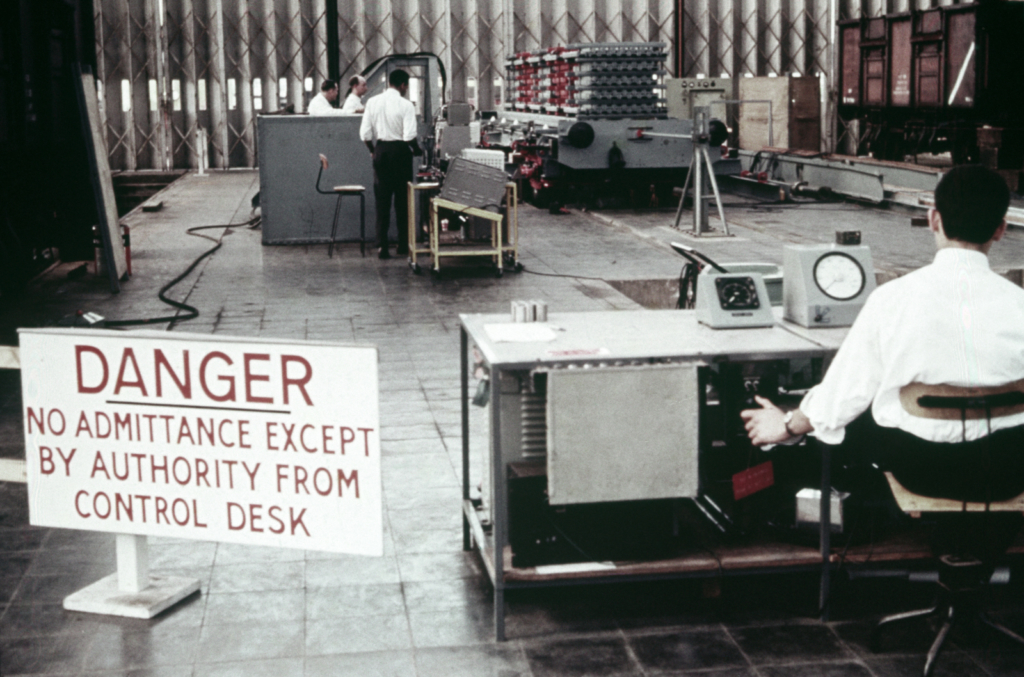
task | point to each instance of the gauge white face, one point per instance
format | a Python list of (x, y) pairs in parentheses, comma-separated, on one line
[(839, 276)]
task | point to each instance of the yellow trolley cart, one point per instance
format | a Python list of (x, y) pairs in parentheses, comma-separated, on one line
[(504, 241)]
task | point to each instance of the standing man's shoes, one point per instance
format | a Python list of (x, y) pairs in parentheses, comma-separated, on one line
[(383, 254)]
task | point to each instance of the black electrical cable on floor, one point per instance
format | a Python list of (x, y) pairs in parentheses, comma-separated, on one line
[(191, 312), (575, 277)]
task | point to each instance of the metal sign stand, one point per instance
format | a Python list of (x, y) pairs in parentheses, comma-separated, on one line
[(131, 591), (702, 174)]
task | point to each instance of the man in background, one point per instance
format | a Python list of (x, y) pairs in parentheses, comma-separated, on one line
[(354, 98), (389, 131), (323, 103)]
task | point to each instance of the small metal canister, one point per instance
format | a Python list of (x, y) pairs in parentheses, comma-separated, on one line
[(520, 311)]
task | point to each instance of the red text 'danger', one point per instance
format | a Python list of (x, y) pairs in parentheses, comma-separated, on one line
[(257, 378)]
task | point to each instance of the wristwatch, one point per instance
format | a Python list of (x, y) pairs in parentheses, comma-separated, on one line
[(785, 422)]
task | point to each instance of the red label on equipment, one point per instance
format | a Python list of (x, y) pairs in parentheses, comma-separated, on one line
[(752, 480)]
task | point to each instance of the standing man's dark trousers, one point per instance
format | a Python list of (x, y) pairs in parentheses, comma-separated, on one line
[(392, 171)]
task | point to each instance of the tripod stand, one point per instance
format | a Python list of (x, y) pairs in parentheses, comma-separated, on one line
[(701, 174)]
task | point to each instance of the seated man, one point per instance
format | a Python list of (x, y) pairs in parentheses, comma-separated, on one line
[(354, 98), (951, 322), (323, 103)]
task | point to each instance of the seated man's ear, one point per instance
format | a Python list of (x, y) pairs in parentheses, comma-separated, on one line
[(935, 221), (1000, 231)]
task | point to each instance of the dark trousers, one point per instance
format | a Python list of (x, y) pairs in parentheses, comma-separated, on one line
[(392, 171), (987, 469)]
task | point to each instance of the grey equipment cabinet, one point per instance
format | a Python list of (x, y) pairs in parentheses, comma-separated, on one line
[(293, 212), (638, 373)]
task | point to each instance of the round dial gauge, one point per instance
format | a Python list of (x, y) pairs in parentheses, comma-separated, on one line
[(839, 276), (737, 293)]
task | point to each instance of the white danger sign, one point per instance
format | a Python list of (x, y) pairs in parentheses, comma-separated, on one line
[(189, 436)]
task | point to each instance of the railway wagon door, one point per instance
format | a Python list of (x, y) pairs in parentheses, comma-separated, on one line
[(900, 61), (927, 48), (873, 53), (961, 59), (850, 44)]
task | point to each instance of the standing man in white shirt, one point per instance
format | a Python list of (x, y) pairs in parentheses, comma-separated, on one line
[(952, 322), (354, 99), (323, 103), (389, 131)]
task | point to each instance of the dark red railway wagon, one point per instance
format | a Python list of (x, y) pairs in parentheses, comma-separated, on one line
[(930, 80)]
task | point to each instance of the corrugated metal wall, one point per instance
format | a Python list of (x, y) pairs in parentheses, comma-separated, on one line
[(167, 68)]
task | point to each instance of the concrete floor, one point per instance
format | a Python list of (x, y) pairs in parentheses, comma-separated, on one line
[(424, 608)]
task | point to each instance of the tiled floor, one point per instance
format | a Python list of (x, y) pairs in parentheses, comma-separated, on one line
[(425, 607)]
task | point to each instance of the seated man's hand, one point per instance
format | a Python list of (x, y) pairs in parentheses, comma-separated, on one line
[(765, 425)]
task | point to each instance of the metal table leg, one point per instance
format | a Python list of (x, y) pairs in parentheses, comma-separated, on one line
[(498, 511), (334, 227), (362, 224), (464, 379), (825, 530), (411, 225)]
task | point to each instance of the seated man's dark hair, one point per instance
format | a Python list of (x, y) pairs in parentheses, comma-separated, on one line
[(328, 85), (972, 201), (398, 78)]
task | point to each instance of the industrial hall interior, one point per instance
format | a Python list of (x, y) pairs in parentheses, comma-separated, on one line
[(506, 338)]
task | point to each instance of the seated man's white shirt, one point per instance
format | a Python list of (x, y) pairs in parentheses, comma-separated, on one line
[(388, 117), (319, 105), (952, 322), (352, 104)]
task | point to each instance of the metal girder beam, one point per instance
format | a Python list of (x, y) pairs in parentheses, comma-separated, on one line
[(837, 176)]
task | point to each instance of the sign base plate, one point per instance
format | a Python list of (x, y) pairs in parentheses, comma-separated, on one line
[(104, 596)]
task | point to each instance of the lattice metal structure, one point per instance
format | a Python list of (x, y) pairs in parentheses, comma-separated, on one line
[(217, 64), (202, 64)]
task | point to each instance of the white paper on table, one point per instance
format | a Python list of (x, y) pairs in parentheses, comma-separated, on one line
[(574, 568), (520, 332)]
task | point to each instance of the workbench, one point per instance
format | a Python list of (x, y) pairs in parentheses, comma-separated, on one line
[(594, 340)]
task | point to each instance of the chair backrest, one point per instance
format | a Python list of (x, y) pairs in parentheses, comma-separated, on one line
[(323, 166), (954, 403), (957, 403)]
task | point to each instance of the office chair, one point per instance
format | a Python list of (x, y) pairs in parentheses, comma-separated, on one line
[(963, 574), (342, 191)]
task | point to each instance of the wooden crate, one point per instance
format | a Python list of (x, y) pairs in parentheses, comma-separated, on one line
[(796, 113)]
